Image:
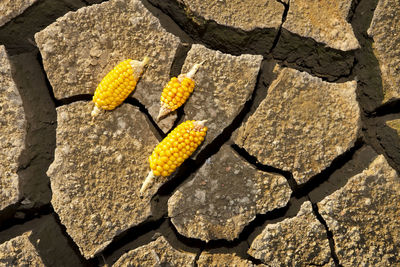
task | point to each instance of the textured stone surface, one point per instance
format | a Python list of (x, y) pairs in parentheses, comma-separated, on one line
[(225, 194), (223, 85), (12, 133), (324, 21), (303, 124), (239, 14), (395, 125), (97, 172), (9, 9), (298, 241), (364, 217), (384, 135), (39, 242), (94, 1), (19, 251), (40, 139), (80, 48), (156, 253), (385, 30), (223, 260)]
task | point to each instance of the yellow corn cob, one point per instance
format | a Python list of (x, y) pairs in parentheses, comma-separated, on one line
[(177, 91), (170, 153), (117, 85)]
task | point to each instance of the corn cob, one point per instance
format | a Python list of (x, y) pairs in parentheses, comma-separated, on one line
[(117, 85), (172, 151), (177, 91)]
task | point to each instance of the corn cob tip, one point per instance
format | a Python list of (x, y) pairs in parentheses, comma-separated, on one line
[(199, 124), (96, 111), (147, 181), (194, 69), (164, 111), (145, 60)]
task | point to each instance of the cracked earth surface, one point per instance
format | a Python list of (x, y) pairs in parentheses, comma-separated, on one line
[(299, 166)]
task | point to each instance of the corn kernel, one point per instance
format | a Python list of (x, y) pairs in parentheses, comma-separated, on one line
[(171, 152), (177, 91), (117, 85)]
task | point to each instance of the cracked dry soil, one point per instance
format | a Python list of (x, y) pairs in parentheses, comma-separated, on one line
[(299, 167)]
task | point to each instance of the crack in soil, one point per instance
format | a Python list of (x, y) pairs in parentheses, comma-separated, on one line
[(284, 15), (329, 234), (360, 63), (35, 18), (71, 243)]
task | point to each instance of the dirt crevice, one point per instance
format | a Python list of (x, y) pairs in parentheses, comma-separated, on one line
[(32, 20), (167, 21), (191, 166), (40, 130), (389, 108), (85, 262), (21, 215), (328, 234), (159, 201), (153, 125), (314, 182), (366, 69), (213, 35), (265, 168), (130, 239), (284, 15), (197, 257)]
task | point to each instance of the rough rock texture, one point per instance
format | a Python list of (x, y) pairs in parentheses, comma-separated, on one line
[(359, 161), (19, 251), (395, 125), (38, 242), (80, 48), (303, 124), (156, 253), (225, 195), (239, 14), (94, 1), (40, 139), (324, 21), (364, 217), (9, 9), (383, 133), (298, 241), (385, 30), (97, 172), (223, 260), (12, 133), (223, 85)]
